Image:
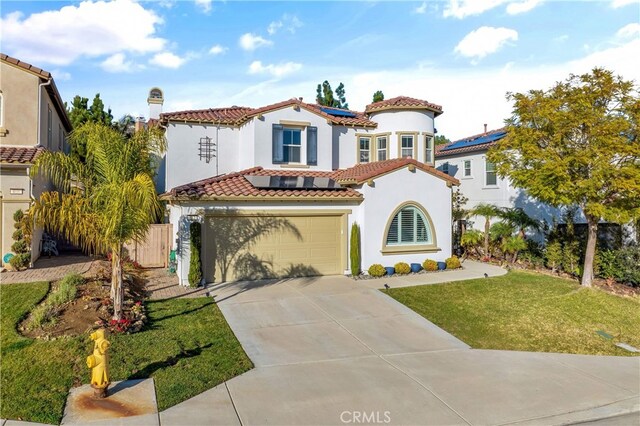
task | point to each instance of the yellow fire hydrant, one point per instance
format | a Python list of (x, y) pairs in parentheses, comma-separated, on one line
[(99, 364)]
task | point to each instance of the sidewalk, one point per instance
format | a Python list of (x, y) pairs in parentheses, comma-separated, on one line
[(48, 269)]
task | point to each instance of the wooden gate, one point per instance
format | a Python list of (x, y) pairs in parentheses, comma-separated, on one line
[(153, 252)]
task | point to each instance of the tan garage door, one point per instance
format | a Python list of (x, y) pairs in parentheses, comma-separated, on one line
[(255, 247)]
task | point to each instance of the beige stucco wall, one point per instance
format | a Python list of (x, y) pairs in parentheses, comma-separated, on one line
[(57, 128), (12, 178), (20, 105)]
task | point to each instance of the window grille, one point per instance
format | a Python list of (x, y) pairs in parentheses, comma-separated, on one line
[(208, 149)]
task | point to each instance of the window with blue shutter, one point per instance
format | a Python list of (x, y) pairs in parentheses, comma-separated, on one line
[(312, 146), (278, 144)]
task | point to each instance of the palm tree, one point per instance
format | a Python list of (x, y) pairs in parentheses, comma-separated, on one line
[(488, 211), (520, 220), (107, 200), (512, 245)]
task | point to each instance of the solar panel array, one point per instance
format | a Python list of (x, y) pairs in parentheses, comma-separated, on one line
[(473, 142), (293, 182), (337, 112)]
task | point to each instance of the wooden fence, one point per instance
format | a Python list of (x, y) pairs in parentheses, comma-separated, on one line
[(153, 252)]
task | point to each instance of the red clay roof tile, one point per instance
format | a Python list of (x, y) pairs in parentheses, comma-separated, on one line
[(403, 102), (363, 172), (19, 155)]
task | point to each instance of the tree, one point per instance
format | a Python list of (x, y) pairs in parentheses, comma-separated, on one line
[(106, 201), (577, 144), (325, 96), (441, 140), (517, 218), (378, 96), (488, 211), (195, 264), (80, 113), (354, 250)]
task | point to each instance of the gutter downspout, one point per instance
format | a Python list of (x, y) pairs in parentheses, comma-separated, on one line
[(40, 86)]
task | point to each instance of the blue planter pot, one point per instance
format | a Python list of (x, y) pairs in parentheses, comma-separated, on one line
[(390, 270), (416, 267), (442, 266)]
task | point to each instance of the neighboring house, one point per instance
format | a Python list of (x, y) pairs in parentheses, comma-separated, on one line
[(466, 160), (278, 188), (32, 119)]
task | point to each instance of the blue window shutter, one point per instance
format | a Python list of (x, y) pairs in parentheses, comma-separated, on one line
[(312, 146), (278, 139)]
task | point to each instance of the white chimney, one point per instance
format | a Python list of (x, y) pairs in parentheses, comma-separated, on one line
[(155, 101)]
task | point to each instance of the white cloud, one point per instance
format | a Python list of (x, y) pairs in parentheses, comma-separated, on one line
[(463, 8), (251, 41), (217, 49), (204, 5), (90, 29), (290, 23), (118, 63), (279, 70), (422, 9), (167, 60), (484, 41), (522, 7), (60, 75), (628, 31), (621, 3)]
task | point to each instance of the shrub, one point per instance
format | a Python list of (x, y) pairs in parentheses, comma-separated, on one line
[(629, 264), (607, 264), (40, 316), (377, 270), (471, 240), (67, 289), (430, 265), (20, 261), (571, 257), (553, 255), (402, 268), (195, 264), (453, 262), (354, 248)]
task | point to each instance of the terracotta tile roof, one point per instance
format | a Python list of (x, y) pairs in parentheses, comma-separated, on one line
[(19, 155), (235, 186), (230, 116), (235, 115), (51, 88), (471, 148), (403, 102), (363, 172)]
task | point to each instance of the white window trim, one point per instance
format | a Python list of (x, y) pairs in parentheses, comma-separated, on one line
[(410, 247), (484, 179), (431, 161), (386, 148), (464, 169), (360, 150), (302, 143)]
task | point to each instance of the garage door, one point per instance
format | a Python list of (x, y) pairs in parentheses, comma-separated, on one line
[(256, 247)]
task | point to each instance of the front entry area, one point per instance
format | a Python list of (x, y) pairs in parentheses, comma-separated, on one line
[(252, 245)]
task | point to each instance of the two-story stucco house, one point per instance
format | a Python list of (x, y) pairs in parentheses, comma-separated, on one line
[(278, 188), (466, 160), (32, 119)]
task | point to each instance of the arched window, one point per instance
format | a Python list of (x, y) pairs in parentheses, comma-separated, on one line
[(410, 227)]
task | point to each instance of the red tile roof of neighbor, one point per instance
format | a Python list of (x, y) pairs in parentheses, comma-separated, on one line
[(234, 185), (465, 149), (19, 155), (403, 102), (51, 88)]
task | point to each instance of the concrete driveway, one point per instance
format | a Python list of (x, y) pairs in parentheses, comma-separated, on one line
[(330, 351)]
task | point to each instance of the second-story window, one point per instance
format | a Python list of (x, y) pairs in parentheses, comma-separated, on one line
[(381, 148), (292, 144), (428, 153), (406, 146), (467, 168), (49, 127), (364, 149), (445, 168), (491, 178)]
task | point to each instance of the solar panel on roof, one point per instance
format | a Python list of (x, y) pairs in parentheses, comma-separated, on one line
[(473, 142), (293, 182), (336, 112)]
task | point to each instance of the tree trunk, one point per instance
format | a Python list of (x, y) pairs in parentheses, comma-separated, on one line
[(487, 226), (117, 291), (587, 272)]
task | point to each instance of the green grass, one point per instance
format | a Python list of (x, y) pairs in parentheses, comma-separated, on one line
[(187, 347), (528, 312)]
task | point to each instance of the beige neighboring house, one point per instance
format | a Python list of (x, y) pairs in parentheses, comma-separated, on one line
[(32, 119)]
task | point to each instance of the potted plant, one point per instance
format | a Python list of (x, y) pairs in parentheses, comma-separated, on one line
[(416, 267), (442, 266), (390, 270)]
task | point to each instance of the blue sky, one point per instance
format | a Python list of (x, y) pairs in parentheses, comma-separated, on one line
[(463, 55)]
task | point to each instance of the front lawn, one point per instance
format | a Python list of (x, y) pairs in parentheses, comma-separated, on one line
[(526, 311), (187, 347)]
